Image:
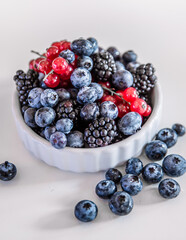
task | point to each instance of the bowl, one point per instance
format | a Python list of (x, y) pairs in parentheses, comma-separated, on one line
[(89, 159)]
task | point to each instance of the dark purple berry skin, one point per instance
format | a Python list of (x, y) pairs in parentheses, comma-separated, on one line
[(156, 150), (58, 140), (108, 109), (113, 174), (49, 131), (114, 52), (82, 47), (89, 111), (131, 184), (169, 188), (94, 43), (168, 136), (179, 129), (122, 79), (105, 189), (80, 77), (68, 55), (75, 139), (152, 173), (7, 171), (85, 62), (86, 211), (129, 56), (134, 166), (29, 117), (87, 95)]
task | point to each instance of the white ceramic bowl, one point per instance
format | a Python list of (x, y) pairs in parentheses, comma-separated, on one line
[(88, 159)]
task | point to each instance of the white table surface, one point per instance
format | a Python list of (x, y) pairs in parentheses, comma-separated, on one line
[(39, 202)]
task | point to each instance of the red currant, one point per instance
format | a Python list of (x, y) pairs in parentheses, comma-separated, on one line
[(74, 63), (52, 53), (148, 111), (66, 75), (130, 94), (105, 84), (58, 45), (45, 66), (139, 106), (118, 99), (36, 64), (31, 64), (52, 80), (66, 45), (59, 65), (108, 98), (123, 108), (65, 83)]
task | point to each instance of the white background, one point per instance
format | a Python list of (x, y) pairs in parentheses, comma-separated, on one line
[(38, 203)]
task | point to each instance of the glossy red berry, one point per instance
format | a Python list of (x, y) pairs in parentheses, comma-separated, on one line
[(59, 65), (45, 66), (36, 64), (139, 106), (65, 83), (105, 84), (52, 80), (66, 45), (108, 98), (66, 75), (130, 94), (148, 111), (123, 108), (119, 99), (31, 64), (74, 63), (58, 45), (52, 52)]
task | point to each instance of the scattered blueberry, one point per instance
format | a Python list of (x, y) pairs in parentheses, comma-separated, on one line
[(156, 150), (169, 188), (48, 131), (94, 43), (85, 62), (129, 56), (168, 136), (114, 52), (80, 77), (29, 117), (174, 165), (34, 97), (122, 79), (179, 129), (130, 123), (105, 189), (134, 166), (7, 171), (45, 116), (58, 140), (109, 109), (86, 211), (99, 89), (131, 184), (119, 66), (63, 94), (152, 173), (121, 203), (82, 47), (64, 125), (68, 55), (87, 95), (113, 174), (75, 139), (49, 98), (89, 111)]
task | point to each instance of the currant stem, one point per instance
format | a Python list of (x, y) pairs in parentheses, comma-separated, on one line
[(48, 75), (32, 51), (112, 92)]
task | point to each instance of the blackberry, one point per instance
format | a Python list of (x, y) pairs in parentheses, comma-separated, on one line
[(25, 82), (100, 132), (119, 138), (144, 79), (104, 66), (146, 98)]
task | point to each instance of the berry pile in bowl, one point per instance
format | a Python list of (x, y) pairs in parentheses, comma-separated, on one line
[(82, 108)]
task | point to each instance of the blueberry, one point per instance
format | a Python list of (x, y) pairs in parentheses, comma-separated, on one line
[(99, 89), (169, 188), (113, 174), (94, 43), (49, 98), (114, 52), (130, 123), (131, 184), (75, 139), (64, 125), (119, 66), (85, 62), (80, 77), (82, 47), (152, 173), (63, 94), (132, 66), (174, 165), (58, 140), (156, 150), (121, 203), (109, 109), (45, 116), (89, 111), (168, 136), (48, 131), (179, 129), (73, 93), (29, 117), (105, 189), (34, 97), (68, 55), (7, 171), (87, 95), (86, 211), (129, 56), (134, 166), (122, 79)]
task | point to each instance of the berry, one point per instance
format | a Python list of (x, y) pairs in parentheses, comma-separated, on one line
[(104, 66), (86, 211), (130, 123), (109, 109), (105, 84), (94, 43), (98, 88), (89, 111), (80, 77), (179, 129), (85, 62), (105, 189), (148, 111), (122, 79), (119, 99), (152, 173), (168, 136), (7, 171), (129, 56), (113, 174), (114, 52), (44, 116), (134, 166), (75, 139), (139, 106), (49, 98), (120, 66), (100, 132), (52, 80), (63, 94), (52, 53), (82, 47), (156, 150), (132, 66), (59, 45), (73, 93), (58, 140), (48, 131), (36, 63), (130, 94), (29, 117), (59, 65), (67, 74), (31, 64), (174, 165), (169, 188), (131, 184), (109, 98), (67, 55), (66, 45), (45, 66), (64, 125), (34, 97), (123, 109), (87, 95), (121, 203)]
